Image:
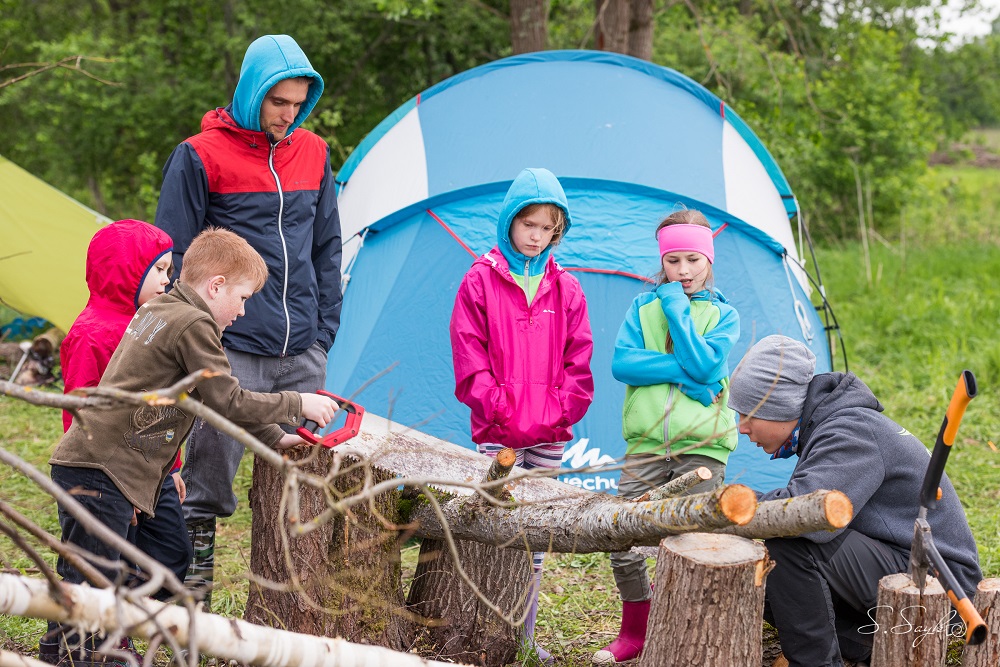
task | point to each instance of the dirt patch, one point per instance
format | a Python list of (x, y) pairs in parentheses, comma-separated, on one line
[(973, 155)]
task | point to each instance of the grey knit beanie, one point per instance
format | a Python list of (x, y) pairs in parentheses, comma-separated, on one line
[(770, 382)]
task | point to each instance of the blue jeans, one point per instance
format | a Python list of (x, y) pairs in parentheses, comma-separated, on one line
[(211, 458), (93, 489), (164, 537), (99, 495)]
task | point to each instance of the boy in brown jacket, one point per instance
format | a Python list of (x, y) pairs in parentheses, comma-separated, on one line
[(122, 463)]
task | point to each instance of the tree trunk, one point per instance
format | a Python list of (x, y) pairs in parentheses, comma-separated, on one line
[(816, 511), (910, 630), (218, 636), (586, 524), (613, 25), (708, 602), (471, 631), (346, 573), (640, 29), (528, 29), (467, 628), (987, 602)]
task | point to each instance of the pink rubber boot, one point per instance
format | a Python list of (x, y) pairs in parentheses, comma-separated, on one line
[(629, 642)]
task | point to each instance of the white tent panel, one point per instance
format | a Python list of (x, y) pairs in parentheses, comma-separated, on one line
[(392, 175), (750, 193)]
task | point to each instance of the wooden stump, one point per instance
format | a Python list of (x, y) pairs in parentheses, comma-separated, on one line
[(347, 575), (708, 602), (987, 603), (910, 630), (460, 626)]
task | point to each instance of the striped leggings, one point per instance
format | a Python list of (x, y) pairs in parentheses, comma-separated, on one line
[(544, 455)]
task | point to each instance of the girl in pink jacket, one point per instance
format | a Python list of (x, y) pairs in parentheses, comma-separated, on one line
[(521, 341)]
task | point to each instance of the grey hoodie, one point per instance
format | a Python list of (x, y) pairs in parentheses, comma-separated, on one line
[(847, 444)]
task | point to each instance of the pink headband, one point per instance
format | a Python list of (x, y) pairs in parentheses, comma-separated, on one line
[(686, 238)]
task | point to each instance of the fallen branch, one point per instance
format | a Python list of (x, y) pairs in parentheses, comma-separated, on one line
[(588, 524), (219, 636), (678, 485), (816, 511)]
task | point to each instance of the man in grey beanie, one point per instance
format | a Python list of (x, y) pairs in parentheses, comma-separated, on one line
[(822, 592)]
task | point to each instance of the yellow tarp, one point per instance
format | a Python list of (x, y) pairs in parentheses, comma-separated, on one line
[(44, 236)]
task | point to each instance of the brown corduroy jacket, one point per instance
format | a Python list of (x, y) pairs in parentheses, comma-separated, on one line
[(170, 337)]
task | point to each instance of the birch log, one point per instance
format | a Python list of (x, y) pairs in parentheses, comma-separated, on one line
[(911, 630), (588, 524), (987, 603), (98, 608), (816, 511), (708, 602), (461, 625)]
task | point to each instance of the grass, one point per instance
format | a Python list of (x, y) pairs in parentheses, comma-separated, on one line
[(929, 312)]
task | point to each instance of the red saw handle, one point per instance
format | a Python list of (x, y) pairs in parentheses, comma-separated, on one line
[(309, 430)]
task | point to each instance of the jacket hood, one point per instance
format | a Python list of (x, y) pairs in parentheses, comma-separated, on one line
[(831, 392), (268, 60), (532, 186), (118, 259)]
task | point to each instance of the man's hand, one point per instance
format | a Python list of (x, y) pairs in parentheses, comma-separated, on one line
[(319, 409), (135, 517), (181, 487)]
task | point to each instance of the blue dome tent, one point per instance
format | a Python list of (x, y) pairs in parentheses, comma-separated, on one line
[(630, 141)]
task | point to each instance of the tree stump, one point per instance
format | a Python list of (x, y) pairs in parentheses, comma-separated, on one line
[(708, 602), (460, 626), (347, 575), (987, 603), (910, 630)]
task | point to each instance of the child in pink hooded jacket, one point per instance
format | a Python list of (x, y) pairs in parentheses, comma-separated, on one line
[(521, 341)]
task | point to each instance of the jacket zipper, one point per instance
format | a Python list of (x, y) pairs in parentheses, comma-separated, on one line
[(667, 409), (284, 249), (527, 289)]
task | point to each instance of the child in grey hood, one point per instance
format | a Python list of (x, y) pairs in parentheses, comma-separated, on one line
[(822, 592)]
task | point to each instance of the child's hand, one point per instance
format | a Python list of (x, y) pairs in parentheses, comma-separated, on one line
[(180, 486), (288, 441), (319, 409), (667, 290)]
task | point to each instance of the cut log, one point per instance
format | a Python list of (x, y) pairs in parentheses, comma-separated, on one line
[(588, 524), (677, 486), (987, 603), (461, 625), (467, 629), (708, 602), (346, 579), (910, 630), (248, 644), (816, 511)]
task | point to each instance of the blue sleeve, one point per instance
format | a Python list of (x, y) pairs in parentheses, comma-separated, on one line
[(704, 358), (326, 257), (183, 203), (637, 366)]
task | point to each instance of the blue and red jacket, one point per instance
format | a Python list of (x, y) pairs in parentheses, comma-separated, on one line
[(281, 198)]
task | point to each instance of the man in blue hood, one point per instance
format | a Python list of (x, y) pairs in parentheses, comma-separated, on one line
[(254, 171)]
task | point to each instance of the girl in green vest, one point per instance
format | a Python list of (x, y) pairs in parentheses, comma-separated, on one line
[(672, 351)]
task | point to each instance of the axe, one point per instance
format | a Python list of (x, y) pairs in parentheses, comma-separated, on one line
[(924, 555)]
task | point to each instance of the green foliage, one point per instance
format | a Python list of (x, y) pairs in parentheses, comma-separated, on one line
[(961, 84), (104, 138)]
